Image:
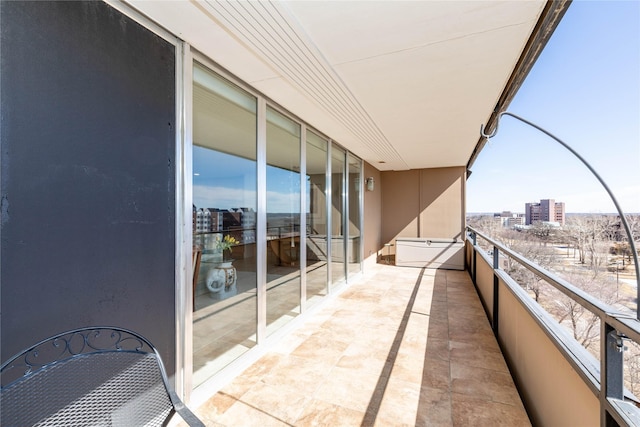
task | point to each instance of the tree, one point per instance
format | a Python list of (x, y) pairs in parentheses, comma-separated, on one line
[(587, 232), (543, 231), (583, 324)]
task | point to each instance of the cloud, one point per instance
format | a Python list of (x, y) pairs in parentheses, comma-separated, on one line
[(226, 198), (223, 197)]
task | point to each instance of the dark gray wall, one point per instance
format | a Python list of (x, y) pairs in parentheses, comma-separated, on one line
[(87, 141)]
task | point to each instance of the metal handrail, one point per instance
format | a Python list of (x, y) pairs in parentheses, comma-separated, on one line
[(623, 218), (625, 323), (615, 326)]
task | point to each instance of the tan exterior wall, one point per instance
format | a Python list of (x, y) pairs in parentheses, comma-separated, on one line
[(484, 283), (372, 227), (442, 199), (552, 391), (400, 204), (423, 203), (554, 394)]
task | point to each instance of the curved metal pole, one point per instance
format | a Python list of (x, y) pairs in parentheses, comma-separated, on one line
[(623, 219)]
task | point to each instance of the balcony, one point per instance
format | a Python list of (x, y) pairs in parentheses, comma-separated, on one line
[(412, 346), (399, 345), (402, 346)]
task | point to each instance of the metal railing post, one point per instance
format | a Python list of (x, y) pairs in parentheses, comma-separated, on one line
[(474, 242), (611, 370), (496, 299), (607, 383)]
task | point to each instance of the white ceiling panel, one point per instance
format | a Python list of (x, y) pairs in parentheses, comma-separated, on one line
[(402, 84)]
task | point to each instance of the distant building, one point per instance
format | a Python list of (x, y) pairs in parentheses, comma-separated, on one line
[(547, 210), (509, 219), (515, 220)]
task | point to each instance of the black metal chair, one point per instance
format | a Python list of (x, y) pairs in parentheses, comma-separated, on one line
[(97, 376)]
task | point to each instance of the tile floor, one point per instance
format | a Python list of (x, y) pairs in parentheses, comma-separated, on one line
[(401, 347), (224, 329)]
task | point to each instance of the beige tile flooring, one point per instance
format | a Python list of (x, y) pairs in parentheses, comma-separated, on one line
[(225, 329), (400, 347)]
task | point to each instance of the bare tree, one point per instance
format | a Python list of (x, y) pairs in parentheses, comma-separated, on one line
[(577, 231), (583, 324), (588, 232), (632, 367), (543, 231), (595, 238), (529, 246)]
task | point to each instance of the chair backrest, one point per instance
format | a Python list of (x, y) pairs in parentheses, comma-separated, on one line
[(90, 376)]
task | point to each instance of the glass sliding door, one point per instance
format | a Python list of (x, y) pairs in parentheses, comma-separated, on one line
[(316, 211), (283, 220), (224, 221), (354, 257), (337, 234)]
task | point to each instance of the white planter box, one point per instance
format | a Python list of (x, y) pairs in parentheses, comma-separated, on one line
[(430, 253)]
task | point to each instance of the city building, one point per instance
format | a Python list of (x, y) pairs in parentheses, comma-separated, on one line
[(547, 210), (118, 115), (515, 220), (509, 219)]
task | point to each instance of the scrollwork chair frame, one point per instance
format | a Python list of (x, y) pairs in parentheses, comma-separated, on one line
[(89, 376)]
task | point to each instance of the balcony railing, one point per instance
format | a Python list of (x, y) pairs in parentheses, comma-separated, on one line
[(560, 382)]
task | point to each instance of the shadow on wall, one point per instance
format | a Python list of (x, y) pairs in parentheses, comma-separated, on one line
[(423, 203), (372, 213)]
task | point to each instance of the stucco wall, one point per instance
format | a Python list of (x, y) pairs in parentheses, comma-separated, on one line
[(372, 215), (423, 203)]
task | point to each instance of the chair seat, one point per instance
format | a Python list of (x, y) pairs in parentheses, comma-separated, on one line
[(94, 376)]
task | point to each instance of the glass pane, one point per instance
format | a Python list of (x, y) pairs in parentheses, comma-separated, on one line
[(316, 211), (354, 215), (224, 221), (337, 210), (283, 220)]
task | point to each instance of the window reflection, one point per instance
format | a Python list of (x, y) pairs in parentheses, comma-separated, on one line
[(224, 223), (225, 214), (337, 212), (316, 210), (354, 186), (283, 220)]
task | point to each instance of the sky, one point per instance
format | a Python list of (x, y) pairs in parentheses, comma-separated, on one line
[(234, 185), (584, 89)]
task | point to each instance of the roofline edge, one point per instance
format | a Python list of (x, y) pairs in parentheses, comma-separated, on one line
[(549, 19)]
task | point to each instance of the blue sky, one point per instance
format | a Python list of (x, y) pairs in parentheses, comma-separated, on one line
[(231, 183), (585, 89)]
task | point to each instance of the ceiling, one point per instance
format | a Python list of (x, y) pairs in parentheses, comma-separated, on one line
[(403, 85)]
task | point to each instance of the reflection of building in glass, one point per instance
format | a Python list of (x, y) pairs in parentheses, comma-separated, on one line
[(206, 220), (211, 220), (546, 211), (241, 219)]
